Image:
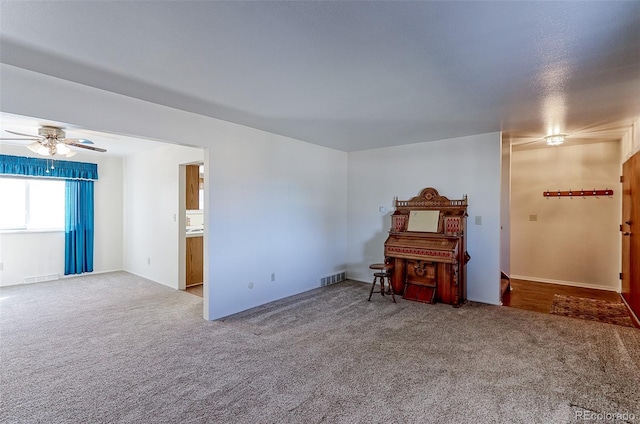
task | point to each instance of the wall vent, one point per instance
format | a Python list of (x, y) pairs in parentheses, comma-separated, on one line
[(333, 278), (41, 278)]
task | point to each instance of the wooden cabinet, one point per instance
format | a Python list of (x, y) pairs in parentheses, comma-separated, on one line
[(195, 259), (193, 187)]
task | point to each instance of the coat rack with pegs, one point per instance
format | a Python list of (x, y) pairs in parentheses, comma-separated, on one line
[(578, 193)]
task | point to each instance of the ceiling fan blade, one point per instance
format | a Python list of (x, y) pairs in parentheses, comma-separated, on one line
[(78, 140), (84, 146), (22, 139), (33, 137)]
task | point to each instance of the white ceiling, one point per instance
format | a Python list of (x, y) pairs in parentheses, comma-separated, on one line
[(350, 75)]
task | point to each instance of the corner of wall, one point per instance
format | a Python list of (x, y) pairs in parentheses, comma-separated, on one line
[(630, 142)]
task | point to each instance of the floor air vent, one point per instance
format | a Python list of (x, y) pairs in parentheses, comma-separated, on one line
[(333, 278), (41, 278)]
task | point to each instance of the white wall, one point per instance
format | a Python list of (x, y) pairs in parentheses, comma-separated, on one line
[(454, 167), (278, 206), (272, 204), (151, 200), (18, 250), (574, 241)]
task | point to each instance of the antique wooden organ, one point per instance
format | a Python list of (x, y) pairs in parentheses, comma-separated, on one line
[(427, 248)]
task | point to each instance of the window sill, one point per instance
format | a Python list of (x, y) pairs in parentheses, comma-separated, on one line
[(31, 231)]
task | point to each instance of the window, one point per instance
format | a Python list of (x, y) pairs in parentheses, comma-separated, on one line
[(31, 204)]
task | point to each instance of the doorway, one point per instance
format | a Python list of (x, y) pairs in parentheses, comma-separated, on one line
[(564, 246)]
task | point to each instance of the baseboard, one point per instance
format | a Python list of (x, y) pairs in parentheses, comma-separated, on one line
[(634, 317), (58, 277), (565, 283), (86, 274)]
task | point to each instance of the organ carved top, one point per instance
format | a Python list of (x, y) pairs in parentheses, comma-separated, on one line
[(452, 212)]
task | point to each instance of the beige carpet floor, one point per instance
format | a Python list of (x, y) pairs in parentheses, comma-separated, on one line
[(115, 348)]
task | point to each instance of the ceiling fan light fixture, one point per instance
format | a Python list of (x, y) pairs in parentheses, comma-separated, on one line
[(34, 147), (44, 151), (62, 149), (71, 153), (555, 139)]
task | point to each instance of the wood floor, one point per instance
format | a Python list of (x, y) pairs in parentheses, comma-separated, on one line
[(197, 290), (538, 297)]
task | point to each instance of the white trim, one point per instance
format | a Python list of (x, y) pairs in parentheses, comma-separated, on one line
[(566, 283), (61, 277), (35, 230), (87, 274)]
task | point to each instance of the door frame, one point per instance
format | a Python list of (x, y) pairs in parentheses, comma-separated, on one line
[(182, 222), (630, 230), (182, 227)]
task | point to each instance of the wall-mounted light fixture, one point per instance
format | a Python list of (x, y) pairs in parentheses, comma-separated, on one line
[(555, 139)]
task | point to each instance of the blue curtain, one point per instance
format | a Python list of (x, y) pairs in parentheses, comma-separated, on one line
[(47, 168), (78, 229)]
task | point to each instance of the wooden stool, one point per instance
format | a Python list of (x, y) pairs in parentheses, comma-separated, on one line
[(382, 275)]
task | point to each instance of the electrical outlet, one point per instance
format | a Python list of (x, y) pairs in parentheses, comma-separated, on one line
[(533, 217), (478, 220), (148, 261), (273, 276), (1, 266)]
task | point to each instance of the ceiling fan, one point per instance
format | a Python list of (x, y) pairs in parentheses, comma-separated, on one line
[(52, 141)]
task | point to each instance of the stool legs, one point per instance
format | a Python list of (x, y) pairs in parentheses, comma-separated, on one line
[(373, 286), (382, 277), (389, 289)]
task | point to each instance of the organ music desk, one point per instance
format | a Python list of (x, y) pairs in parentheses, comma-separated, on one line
[(427, 248)]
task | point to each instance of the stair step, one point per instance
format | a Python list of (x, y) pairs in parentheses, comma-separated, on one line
[(505, 286)]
